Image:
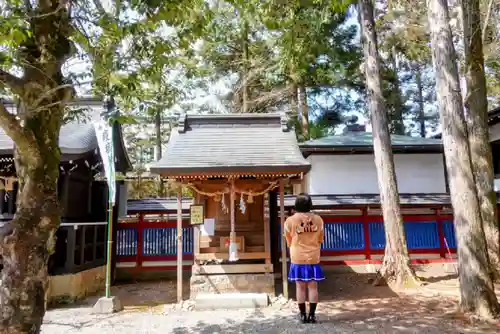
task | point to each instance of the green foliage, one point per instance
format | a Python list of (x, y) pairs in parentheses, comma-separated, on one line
[(405, 48)]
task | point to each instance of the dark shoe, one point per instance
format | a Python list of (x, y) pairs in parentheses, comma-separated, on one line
[(311, 319), (304, 318)]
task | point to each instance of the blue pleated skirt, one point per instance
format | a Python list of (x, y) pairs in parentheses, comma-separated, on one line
[(306, 273)]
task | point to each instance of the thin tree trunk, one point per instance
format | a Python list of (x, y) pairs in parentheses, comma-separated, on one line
[(397, 121), (476, 107), (158, 142), (420, 92), (294, 106), (304, 112), (158, 135), (245, 60), (476, 287), (396, 264)]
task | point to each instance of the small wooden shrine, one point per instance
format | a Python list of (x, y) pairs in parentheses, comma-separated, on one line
[(231, 163)]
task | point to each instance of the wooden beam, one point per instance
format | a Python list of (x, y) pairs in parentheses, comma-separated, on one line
[(232, 269), (225, 256), (284, 264), (179, 244)]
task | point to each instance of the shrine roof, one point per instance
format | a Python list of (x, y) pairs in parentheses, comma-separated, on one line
[(243, 144), (363, 141), (77, 137)]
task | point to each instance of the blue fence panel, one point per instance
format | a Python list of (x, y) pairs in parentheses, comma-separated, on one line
[(126, 242), (422, 235), (449, 234), (343, 236), (188, 238), (163, 241), (377, 235), (419, 235)]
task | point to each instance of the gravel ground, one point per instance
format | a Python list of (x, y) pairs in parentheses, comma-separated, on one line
[(229, 321), (348, 305)]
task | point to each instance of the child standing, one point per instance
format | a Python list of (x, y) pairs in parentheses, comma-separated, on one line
[(304, 235)]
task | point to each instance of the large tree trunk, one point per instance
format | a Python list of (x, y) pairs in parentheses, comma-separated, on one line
[(476, 106), (28, 240), (304, 112), (420, 94), (396, 264), (476, 286)]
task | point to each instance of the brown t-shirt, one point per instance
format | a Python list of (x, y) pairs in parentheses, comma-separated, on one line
[(304, 235)]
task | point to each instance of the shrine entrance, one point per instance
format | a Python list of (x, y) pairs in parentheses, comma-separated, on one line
[(231, 163)]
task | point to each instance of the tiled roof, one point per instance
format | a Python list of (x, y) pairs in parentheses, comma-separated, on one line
[(76, 137), (365, 139), (231, 143), (154, 205), (371, 199), (157, 205)]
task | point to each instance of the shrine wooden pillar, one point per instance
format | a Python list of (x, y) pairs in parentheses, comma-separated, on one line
[(284, 262), (179, 244)]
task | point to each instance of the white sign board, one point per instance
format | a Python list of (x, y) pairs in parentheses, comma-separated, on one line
[(104, 134)]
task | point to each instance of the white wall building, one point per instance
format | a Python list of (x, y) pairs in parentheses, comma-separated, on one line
[(344, 164)]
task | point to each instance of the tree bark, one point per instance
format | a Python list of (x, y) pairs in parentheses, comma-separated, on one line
[(476, 108), (27, 245), (476, 287), (304, 112), (420, 92), (28, 240), (396, 264)]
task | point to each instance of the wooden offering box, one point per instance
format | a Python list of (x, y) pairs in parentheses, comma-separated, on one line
[(225, 242)]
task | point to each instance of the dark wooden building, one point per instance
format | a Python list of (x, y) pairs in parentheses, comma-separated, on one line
[(81, 239)]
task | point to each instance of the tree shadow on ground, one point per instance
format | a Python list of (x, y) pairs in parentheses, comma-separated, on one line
[(404, 314), (344, 286), (439, 278)]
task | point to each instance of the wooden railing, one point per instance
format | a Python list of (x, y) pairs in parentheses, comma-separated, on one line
[(79, 246)]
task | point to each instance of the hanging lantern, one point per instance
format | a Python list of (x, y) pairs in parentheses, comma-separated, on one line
[(250, 198), (217, 198)]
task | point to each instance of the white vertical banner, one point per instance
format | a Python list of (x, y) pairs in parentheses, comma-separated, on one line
[(104, 134)]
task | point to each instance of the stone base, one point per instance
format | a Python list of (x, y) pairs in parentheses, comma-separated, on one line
[(107, 305), (71, 287), (233, 283), (228, 301)]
